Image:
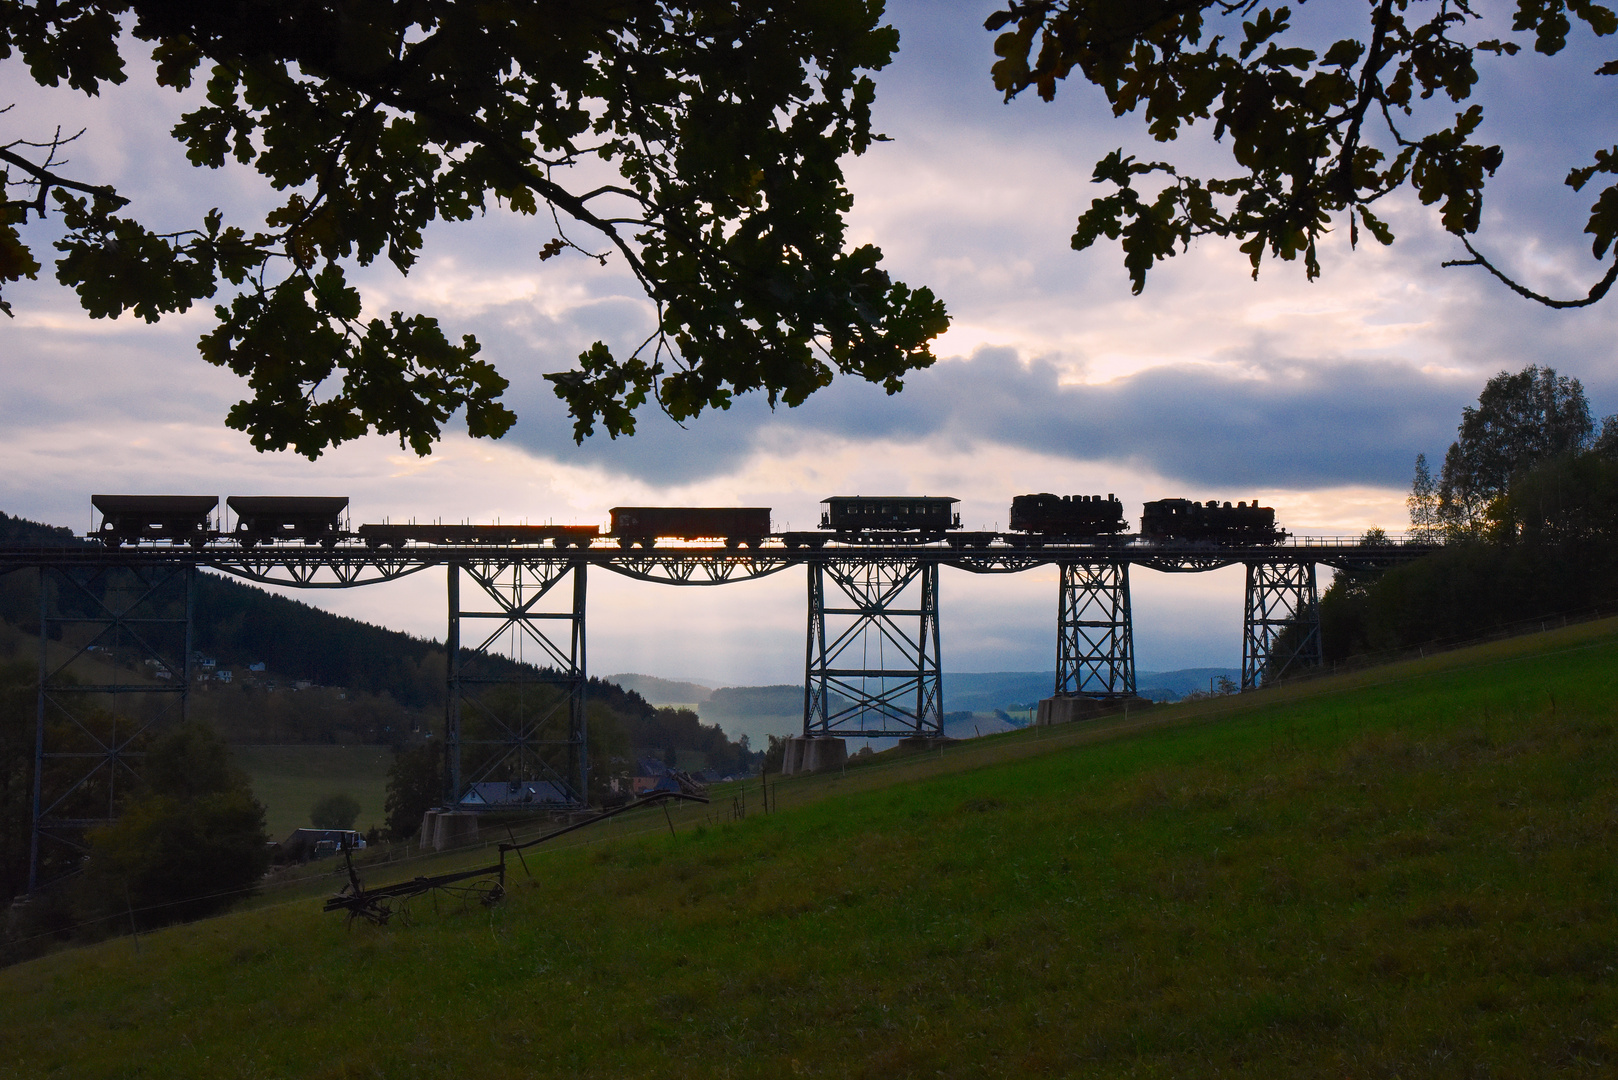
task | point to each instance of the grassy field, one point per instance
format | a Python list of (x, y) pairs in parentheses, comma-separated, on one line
[(289, 780), (1407, 871)]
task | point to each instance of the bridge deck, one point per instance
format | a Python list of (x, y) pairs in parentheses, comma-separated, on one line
[(351, 563)]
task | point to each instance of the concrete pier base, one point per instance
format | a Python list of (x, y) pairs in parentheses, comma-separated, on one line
[(1065, 710), (808, 754), (442, 829), (921, 744)]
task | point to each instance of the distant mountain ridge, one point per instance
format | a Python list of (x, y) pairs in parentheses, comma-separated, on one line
[(658, 691), (761, 711)]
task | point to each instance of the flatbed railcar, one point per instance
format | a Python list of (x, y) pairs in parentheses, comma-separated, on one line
[(178, 519), (1211, 522), (557, 536), (308, 519), (1045, 518), (733, 526)]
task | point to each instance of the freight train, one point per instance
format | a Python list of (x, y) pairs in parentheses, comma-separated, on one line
[(1036, 521)]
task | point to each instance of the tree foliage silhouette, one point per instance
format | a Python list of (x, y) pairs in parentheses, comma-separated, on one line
[(1316, 134), (696, 142)]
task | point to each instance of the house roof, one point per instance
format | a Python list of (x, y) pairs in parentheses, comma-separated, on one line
[(513, 793)]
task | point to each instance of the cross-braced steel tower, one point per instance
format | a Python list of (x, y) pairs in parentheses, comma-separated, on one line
[(872, 667), (1281, 625), (1095, 644), (517, 715), (114, 668)]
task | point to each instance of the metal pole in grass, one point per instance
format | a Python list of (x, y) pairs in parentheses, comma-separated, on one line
[(134, 931)]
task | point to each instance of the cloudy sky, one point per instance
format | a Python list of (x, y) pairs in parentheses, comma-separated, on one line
[(1314, 398)]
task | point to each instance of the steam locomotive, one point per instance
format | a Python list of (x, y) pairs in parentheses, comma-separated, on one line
[(1046, 518), (1036, 520), (1212, 521)]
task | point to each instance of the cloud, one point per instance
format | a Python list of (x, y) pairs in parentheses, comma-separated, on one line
[(1274, 423)]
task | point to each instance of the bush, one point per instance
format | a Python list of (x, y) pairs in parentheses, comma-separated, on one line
[(171, 860), (190, 846), (338, 811)]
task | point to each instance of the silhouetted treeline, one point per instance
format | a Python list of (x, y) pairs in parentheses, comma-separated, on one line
[(14, 530), (1550, 547)]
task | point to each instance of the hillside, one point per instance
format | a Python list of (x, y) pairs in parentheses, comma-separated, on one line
[(381, 683), (658, 691), (1404, 871), (331, 695)]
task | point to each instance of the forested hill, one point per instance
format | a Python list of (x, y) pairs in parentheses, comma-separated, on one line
[(20, 531), (238, 625)]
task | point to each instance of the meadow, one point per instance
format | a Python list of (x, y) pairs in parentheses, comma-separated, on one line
[(1401, 871), (289, 780)]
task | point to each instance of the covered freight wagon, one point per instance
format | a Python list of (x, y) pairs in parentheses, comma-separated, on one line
[(734, 525)]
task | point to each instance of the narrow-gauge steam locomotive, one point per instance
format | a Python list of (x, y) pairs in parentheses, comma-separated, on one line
[(1183, 519), (1037, 520)]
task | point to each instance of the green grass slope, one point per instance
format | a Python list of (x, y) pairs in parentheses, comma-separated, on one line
[(1403, 872), (289, 780)]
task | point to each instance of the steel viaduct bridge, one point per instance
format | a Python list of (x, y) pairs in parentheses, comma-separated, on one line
[(134, 604)]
